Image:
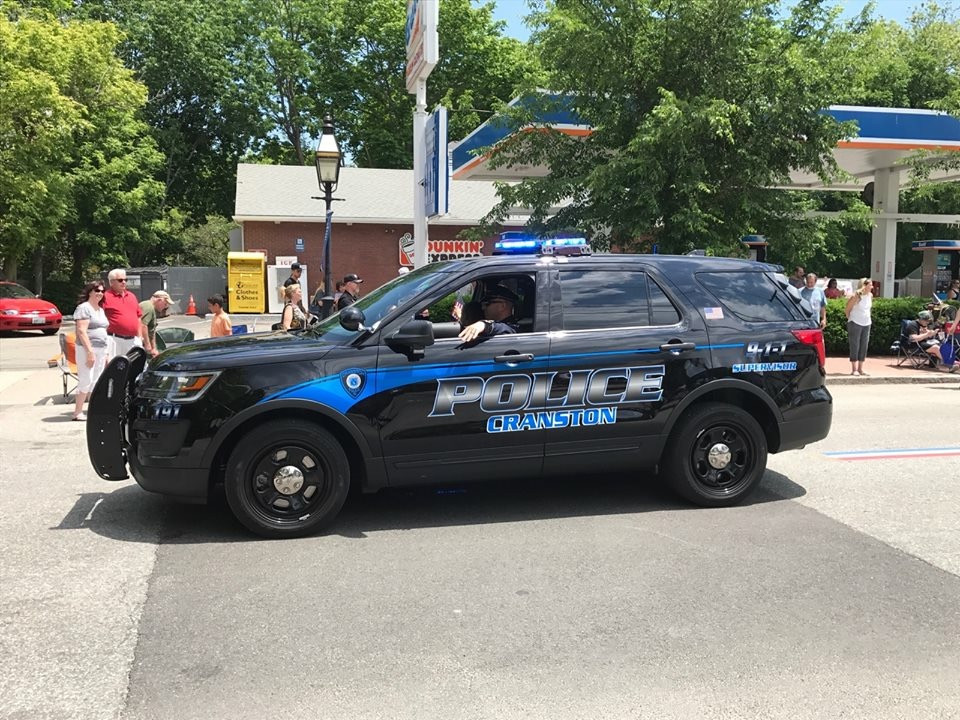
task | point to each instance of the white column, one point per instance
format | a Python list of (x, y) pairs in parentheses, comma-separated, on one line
[(883, 248), (419, 175)]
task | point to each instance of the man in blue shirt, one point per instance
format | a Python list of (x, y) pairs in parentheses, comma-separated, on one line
[(815, 296)]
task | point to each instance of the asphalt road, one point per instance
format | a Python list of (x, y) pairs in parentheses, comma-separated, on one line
[(834, 593)]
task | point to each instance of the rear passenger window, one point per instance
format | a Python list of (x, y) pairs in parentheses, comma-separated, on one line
[(603, 299), (751, 296), (662, 311), (598, 299)]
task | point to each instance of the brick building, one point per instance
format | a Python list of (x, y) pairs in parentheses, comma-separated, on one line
[(278, 214)]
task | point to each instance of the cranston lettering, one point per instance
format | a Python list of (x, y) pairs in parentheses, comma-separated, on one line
[(550, 419), (550, 391)]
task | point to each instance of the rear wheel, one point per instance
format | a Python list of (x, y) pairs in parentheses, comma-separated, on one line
[(716, 455), (287, 479)]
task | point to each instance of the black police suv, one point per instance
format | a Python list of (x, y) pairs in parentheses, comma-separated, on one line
[(692, 367)]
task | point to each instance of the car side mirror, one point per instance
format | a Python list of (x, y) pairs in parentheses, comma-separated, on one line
[(352, 318), (412, 337)]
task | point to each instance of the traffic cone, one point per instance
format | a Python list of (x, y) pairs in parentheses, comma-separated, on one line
[(191, 307)]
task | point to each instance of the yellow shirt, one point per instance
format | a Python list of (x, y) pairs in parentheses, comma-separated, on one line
[(220, 325)]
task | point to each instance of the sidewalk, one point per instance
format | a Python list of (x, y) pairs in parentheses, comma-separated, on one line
[(884, 369)]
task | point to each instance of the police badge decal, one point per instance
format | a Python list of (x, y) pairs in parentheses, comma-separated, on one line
[(353, 381)]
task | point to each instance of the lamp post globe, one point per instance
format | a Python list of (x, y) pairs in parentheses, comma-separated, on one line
[(327, 158)]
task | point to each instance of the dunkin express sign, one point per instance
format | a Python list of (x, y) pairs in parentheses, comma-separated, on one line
[(438, 250)]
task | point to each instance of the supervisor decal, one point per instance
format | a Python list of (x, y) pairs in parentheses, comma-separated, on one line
[(581, 398), (764, 367)]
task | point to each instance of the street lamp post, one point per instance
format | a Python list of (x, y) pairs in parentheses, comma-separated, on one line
[(327, 158)]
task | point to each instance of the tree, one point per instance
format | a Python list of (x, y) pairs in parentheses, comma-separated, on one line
[(76, 156), (697, 108), (36, 133), (904, 66), (479, 70), (204, 110)]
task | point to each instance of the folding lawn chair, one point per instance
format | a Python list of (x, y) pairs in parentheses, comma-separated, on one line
[(67, 362), (909, 351)]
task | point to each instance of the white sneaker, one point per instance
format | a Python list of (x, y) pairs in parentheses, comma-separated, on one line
[(82, 416)]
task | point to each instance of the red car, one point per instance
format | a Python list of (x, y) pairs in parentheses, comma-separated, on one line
[(20, 309)]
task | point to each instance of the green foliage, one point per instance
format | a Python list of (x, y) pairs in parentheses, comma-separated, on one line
[(205, 245), (911, 66), (690, 127), (204, 107), (479, 69), (440, 310), (63, 294), (885, 313), (76, 159)]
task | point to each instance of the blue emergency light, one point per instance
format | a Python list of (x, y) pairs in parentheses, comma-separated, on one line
[(565, 242), (513, 242), (516, 247)]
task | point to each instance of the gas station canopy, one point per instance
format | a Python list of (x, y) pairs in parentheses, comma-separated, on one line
[(887, 138), (881, 152)]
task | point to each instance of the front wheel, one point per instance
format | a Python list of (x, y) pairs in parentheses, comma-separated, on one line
[(716, 455), (287, 479)]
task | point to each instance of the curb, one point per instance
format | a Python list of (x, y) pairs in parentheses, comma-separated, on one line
[(939, 378)]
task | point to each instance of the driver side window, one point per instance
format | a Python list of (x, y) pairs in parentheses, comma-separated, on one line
[(462, 307)]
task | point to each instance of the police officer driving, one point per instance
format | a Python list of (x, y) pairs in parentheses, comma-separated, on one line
[(498, 307)]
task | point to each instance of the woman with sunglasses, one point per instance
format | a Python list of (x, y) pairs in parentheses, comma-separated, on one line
[(93, 343), (858, 324)]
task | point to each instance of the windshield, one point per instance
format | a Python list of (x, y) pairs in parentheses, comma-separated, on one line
[(382, 302), (11, 290)]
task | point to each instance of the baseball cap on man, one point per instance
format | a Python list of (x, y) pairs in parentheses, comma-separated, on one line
[(352, 277), (501, 291), (162, 295), (925, 315), (294, 266)]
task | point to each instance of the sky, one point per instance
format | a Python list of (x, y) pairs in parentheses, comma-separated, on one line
[(513, 11)]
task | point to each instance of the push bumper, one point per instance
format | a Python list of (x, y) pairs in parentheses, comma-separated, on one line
[(107, 441)]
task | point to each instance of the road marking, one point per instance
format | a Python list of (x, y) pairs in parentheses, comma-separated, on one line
[(893, 454)]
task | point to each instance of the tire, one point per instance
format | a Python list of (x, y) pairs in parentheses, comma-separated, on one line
[(287, 479), (687, 466), (49, 331)]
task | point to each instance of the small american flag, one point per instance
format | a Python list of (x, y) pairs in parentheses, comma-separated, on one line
[(713, 313)]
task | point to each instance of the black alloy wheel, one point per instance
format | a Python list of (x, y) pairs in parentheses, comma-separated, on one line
[(716, 455), (287, 479)]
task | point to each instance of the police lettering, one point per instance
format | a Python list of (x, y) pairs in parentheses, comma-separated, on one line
[(552, 390)]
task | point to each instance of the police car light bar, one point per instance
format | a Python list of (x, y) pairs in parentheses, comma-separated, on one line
[(565, 246), (513, 243)]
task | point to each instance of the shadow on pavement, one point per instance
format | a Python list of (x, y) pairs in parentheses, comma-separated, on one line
[(133, 515), (65, 416)]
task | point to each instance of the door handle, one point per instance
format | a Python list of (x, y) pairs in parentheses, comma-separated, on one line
[(677, 346), (514, 357)]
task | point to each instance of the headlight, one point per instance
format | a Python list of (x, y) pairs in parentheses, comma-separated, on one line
[(183, 387), (11, 312)]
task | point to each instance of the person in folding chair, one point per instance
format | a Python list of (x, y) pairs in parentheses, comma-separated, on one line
[(921, 331)]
